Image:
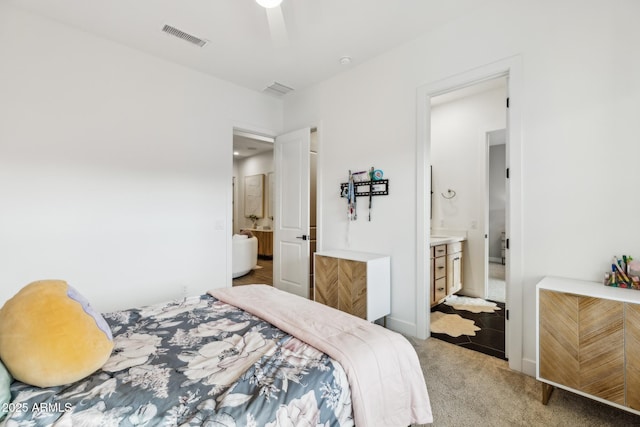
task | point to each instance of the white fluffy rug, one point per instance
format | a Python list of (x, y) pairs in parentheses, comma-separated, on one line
[(452, 324), (474, 305)]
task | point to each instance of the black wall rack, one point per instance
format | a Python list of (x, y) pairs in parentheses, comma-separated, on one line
[(363, 188)]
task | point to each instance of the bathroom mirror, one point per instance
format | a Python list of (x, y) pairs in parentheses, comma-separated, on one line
[(254, 195)]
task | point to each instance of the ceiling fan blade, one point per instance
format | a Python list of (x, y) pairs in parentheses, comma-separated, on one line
[(277, 26)]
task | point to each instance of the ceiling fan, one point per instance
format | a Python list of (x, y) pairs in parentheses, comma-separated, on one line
[(275, 18)]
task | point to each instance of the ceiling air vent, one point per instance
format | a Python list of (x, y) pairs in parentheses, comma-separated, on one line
[(279, 89), (184, 36)]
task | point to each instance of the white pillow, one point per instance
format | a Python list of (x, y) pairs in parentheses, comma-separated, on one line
[(240, 236)]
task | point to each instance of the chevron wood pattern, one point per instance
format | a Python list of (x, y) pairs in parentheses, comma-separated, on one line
[(582, 344), (352, 287), (632, 350), (559, 338), (601, 346), (342, 284), (326, 281)]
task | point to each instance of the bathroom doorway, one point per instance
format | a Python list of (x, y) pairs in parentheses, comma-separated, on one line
[(511, 70), (461, 122)]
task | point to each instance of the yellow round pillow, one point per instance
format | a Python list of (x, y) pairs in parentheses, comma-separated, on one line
[(50, 335)]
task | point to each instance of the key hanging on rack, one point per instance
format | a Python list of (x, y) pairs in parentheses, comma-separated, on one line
[(351, 198)]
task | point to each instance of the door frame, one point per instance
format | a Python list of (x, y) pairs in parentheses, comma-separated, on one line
[(512, 68), (269, 133)]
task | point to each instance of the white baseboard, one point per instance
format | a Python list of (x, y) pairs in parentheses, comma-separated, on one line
[(401, 326), (529, 367)]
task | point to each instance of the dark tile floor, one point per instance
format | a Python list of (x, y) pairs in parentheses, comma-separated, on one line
[(488, 340)]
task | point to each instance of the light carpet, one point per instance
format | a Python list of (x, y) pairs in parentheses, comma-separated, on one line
[(474, 305), (452, 324), (471, 389)]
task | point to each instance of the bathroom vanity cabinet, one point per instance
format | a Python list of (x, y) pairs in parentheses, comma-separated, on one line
[(454, 267), (438, 273), (358, 283), (265, 242), (588, 341), (446, 268)]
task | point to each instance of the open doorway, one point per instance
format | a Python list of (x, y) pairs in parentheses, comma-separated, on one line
[(255, 161), (252, 201), (511, 68), (460, 121)]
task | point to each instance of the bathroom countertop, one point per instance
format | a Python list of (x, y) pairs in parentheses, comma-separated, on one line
[(442, 240)]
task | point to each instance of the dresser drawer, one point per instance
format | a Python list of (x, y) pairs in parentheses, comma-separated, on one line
[(440, 289), (440, 250), (440, 267)]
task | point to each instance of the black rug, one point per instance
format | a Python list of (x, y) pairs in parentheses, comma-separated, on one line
[(488, 340)]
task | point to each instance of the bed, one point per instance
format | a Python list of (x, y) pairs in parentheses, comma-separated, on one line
[(245, 356)]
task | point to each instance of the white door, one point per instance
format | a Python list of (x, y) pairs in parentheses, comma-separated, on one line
[(291, 220)]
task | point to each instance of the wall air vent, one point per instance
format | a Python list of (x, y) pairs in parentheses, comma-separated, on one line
[(184, 36), (279, 89)]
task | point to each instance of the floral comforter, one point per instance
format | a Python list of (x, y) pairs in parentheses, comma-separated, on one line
[(195, 362)]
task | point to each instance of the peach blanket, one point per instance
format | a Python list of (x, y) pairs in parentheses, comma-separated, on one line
[(387, 384)]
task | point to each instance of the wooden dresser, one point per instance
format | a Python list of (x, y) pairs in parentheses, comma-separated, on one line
[(358, 283), (588, 341)]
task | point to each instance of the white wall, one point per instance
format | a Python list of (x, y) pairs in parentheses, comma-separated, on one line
[(115, 167), (458, 157), (260, 164), (580, 102)]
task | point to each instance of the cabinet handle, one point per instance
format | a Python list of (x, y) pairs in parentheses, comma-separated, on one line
[(440, 267), (441, 289)]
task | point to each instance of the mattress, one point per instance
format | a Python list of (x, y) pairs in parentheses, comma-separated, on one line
[(247, 356), (193, 362)]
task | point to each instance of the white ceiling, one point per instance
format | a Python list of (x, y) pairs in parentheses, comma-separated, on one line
[(247, 145), (241, 48)]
